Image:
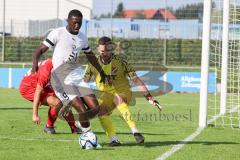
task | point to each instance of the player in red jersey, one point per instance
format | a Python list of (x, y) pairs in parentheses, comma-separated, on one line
[(36, 88)]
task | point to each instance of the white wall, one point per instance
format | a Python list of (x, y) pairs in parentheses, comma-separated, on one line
[(42, 9), (19, 12)]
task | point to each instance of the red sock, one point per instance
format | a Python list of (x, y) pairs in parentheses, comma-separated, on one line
[(52, 117), (70, 119)]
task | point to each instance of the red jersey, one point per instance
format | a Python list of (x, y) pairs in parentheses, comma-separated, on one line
[(42, 77)]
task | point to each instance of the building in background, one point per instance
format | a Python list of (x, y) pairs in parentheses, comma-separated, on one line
[(44, 9), (161, 14), (22, 15), (29, 18), (144, 28)]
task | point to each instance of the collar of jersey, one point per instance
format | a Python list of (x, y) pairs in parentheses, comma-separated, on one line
[(75, 35), (100, 59)]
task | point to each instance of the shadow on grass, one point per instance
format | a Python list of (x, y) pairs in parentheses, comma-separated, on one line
[(128, 133), (168, 143), (15, 108), (119, 133), (21, 108)]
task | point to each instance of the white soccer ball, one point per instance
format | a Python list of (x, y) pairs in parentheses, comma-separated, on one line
[(88, 140)]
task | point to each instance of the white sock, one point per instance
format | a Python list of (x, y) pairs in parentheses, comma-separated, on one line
[(84, 130), (78, 125), (134, 130)]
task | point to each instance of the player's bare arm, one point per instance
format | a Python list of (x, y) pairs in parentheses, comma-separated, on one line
[(36, 56), (36, 103), (86, 79), (93, 60), (142, 87)]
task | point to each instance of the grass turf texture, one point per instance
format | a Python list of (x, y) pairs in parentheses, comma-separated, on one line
[(21, 139)]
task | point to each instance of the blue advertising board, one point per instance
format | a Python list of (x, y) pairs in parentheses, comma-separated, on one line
[(155, 81), (190, 81)]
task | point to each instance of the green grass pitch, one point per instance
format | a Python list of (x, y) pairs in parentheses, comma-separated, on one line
[(22, 140)]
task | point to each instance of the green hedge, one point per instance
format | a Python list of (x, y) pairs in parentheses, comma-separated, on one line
[(141, 51)]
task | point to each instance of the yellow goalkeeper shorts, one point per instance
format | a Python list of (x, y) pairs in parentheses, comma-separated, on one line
[(106, 99)]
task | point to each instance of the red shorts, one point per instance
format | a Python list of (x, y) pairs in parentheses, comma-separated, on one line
[(27, 92)]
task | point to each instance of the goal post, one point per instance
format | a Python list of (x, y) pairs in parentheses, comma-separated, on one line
[(205, 63), (221, 54), (224, 69)]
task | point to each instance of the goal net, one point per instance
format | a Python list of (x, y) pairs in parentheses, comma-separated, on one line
[(224, 106)]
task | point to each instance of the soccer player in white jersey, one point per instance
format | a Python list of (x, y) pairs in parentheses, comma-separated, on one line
[(66, 43)]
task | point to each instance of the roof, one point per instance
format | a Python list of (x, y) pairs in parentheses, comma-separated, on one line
[(166, 13), (149, 13)]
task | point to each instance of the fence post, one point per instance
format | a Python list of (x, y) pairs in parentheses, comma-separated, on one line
[(10, 78), (3, 32)]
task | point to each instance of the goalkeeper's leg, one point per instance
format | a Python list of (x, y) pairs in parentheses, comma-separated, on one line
[(107, 125), (124, 110), (126, 114), (109, 128)]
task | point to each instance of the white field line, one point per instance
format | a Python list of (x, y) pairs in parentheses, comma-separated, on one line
[(161, 157), (214, 118), (181, 144)]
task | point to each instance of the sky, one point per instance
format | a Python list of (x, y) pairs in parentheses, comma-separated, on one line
[(104, 6)]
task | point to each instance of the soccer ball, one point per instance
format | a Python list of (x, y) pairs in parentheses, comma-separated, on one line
[(88, 140)]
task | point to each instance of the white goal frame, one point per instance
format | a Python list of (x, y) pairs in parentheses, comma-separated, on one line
[(205, 61)]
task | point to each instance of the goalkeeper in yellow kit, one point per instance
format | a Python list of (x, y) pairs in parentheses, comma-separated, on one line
[(117, 95)]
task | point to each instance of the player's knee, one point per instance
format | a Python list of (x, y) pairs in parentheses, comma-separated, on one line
[(54, 102), (57, 103), (118, 100)]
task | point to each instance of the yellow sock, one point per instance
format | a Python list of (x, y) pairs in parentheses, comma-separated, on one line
[(107, 125), (126, 114)]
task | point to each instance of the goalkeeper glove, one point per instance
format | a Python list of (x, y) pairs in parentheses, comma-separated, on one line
[(153, 102)]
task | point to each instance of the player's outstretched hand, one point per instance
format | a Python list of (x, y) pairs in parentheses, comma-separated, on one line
[(36, 119), (155, 103)]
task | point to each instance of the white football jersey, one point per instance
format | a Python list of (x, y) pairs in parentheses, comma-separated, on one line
[(66, 46)]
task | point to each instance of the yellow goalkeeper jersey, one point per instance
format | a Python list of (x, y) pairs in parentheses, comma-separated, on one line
[(118, 69)]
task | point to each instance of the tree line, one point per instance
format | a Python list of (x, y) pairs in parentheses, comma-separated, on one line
[(188, 11)]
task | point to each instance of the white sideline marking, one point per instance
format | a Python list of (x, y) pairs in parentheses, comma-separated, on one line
[(38, 139), (214, 118), (185, 141), (180, 145)]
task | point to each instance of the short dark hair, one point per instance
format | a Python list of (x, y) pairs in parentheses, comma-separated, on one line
[(75, 13), (104, 40)]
